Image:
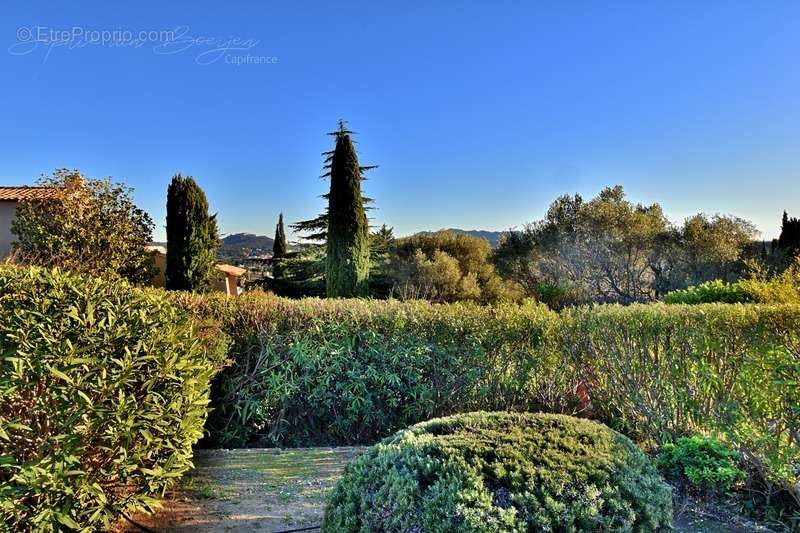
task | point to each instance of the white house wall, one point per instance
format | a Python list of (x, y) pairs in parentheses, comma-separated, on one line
[(7, 210)]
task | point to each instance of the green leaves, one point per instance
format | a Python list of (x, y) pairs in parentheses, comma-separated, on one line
[(306, 372), (660, 372), (486, 472), (706, 462), (342, 372), (103, 391)]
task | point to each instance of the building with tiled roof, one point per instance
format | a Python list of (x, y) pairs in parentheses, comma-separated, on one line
[(228, 276), (9, 198), (18, 194)]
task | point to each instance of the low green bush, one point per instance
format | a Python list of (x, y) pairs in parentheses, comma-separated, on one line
[(759, 287), (321, 372), (782, 288), (103, 390), (489, 472), (704, 462), (709, 292)]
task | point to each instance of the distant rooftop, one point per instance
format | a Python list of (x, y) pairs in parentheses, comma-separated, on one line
[(222, 267), (230, 269), (17, 194)]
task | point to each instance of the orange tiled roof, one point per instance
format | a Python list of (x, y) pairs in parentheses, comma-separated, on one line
[(230, 269), (16, 194)]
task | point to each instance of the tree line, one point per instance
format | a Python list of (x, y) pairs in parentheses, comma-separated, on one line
[(606, 249)]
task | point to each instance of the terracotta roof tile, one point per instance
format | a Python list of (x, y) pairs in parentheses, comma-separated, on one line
[(16, 194), (230, 269)]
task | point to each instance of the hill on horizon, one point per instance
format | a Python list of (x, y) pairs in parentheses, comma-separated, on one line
[(237, 247), (493, 237), (248, 240)]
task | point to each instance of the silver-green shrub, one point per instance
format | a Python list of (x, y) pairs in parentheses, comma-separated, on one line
[(489, 472)]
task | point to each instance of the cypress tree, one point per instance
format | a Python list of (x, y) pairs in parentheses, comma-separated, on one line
[(279, 249), (347, 252), (338, 255), (789, 239), (192, 237)]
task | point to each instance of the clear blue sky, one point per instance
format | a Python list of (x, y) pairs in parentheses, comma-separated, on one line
[(479, 113)]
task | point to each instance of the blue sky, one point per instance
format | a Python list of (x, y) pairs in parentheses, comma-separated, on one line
[(478, 113)]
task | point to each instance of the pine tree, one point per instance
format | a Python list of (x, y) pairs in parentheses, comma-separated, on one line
[(343, 228), (192, 237)]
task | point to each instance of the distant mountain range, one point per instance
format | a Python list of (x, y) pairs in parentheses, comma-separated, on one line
[(238, 247)]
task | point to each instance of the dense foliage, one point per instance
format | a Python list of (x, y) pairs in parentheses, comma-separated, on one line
[(445, 267), (348, 371), (192, 237), (658, 372), (789, 239), (760, 287), (704, 462), (341, 372), (103, 390), (708, 292), (488, 472), (611, 250), (84, 225)]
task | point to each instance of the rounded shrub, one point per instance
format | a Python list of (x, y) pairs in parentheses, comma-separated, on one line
[(704, 462), (103, 390), (489, 472)]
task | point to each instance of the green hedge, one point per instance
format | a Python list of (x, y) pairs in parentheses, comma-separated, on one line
[(315, 372), (347, 371), (103, 390), (657, 372), (488, 472)]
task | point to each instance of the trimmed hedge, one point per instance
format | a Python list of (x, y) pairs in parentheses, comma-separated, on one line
[(658, 372), (312, 371), (103, 390), (325, 372), (488, 472)]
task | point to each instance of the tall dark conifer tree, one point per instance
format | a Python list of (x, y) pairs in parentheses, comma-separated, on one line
[(192, 237), (279, 249), (789, 239), (343, 228), (348, 259)]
